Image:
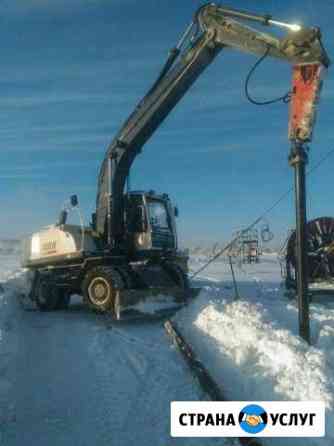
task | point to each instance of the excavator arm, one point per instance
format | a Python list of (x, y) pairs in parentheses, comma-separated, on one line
[(213, 29)]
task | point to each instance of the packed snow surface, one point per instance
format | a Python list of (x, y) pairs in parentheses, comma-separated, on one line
[(73, 377), (250, 342), (76, 378)]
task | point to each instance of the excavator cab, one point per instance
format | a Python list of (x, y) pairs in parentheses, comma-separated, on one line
[(150, 224)]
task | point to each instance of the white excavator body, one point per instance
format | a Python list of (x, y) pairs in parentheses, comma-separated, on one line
[(57, 243)]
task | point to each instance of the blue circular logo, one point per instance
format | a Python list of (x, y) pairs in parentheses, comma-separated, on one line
[(253, 419)]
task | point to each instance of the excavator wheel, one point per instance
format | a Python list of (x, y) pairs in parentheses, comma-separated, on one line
[(64, 298), (46, 295), (126, 276), (99, 288), (179, 277)]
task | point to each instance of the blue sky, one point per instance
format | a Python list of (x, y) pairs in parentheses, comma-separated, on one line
[(72, 71)]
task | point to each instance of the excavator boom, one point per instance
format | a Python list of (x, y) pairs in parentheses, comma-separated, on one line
[(299, 46), (214, 28)]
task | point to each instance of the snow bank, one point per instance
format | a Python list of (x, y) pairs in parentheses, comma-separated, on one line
[(251, 346)]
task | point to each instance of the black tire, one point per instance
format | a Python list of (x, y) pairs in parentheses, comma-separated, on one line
[(290, 284), (46, 295), (64, 298), (99, 288), (126, 276), (179, 277), (177, 274)]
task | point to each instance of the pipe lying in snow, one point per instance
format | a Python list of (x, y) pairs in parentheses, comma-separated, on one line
[(205, 380)]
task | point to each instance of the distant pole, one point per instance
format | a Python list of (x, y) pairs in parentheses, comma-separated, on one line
[(236, 292), (298, 160)]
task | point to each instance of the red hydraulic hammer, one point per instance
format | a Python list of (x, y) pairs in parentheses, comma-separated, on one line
[(306, 86)]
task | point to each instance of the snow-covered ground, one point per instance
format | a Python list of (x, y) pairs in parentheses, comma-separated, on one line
[(75, 377), (250, 343)]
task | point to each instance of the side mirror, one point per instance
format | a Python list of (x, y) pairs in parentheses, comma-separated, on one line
[(74, 201), (93, 223), (176, 211), (62, 218), (141, 219)]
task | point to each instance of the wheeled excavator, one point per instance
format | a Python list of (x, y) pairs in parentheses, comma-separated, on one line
[(129, 257)]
